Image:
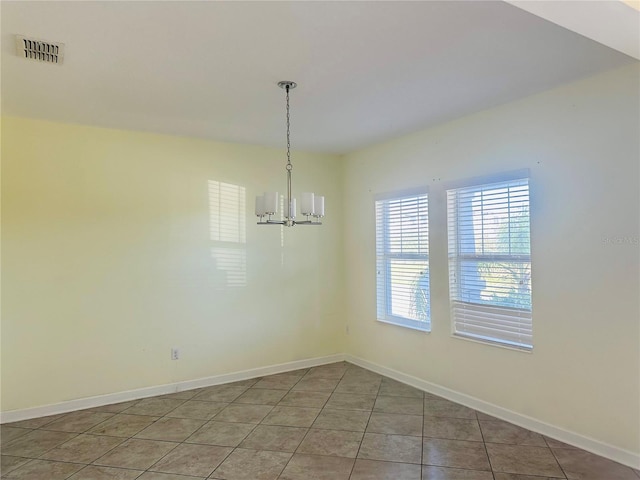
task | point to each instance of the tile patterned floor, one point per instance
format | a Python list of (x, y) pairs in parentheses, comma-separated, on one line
[(331, 422)]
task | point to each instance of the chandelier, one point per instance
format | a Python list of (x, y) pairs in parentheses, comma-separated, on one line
[(311, 205)]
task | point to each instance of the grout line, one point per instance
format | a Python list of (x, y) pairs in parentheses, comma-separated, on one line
[(422, 436), (365, 428), (484, 445), (309, 428), (556, 459)]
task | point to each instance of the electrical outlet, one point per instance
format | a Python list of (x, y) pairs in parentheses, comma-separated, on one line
[(175, 353)]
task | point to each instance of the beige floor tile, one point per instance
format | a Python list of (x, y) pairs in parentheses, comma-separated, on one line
[(401, 405), (243, 413), (8, 463), (513, 476), (455, 454), (154, 406), (195, 460), (8, 434), (347, 401), (276, 438), (36, 422), (332, 371), (115, 407), (439, 407), (44, 469), (35, 443), (78, 422), (183, 395), (553, 444), (395, 424), (136, 454), (317, 467), (359, 387), (377, 470), (84, 448), (291, 416), (278, 382), (523, 460), (443, 473), (221, 434), (504, 432), (93, 472), (261, 396), (123, 425), (247, 383), (392, 388), (316, 384), (484, 416), (197, 409), (334, 419), (452, 428), (305, 399), (220, 393), (244, 464), (171, 429), (331, 442), (361, 374), (166, 476), (581, 465), (392, 448)]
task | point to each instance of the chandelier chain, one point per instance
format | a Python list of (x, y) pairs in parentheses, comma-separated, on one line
[(288, 132)]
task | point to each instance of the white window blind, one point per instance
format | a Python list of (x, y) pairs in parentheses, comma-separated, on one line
[(402, 259), (490, 262)]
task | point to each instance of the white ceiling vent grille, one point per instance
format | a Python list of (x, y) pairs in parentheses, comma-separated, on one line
[(39, 50)]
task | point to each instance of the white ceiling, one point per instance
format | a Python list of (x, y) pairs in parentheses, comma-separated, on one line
[(367, 71)]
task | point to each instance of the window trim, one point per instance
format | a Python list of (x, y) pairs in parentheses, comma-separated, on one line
[(420, 325)]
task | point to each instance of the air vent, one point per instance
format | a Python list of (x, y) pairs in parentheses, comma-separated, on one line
[(39, 50)]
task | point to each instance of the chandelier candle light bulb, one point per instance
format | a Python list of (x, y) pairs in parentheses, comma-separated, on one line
[(267, 204), (306, 207), (260, 206), (270, 203), (318, 206)]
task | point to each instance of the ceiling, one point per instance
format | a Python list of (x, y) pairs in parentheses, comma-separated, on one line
[(367, 71)]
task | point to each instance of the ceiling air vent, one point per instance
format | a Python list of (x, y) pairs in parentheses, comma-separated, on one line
[(39, 50)]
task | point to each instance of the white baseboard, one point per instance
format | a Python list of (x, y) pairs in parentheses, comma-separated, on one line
[(617, 454), (100, 400)]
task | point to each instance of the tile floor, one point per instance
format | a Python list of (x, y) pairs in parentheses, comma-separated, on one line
[(331, 422)]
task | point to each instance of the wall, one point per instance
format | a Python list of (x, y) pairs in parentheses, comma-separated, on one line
[(115, 248), (580, 142)]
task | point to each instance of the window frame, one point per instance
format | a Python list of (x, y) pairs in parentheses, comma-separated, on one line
[(487, 309), (388, 317)]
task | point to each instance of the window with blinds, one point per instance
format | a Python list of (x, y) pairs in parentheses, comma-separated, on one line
[(490, 262), (402, 259)]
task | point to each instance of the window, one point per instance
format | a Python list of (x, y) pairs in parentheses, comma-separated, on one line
[(490, 261), (402, 259)]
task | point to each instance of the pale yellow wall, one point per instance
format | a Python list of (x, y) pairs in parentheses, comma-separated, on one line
[(108, 263), (581, 144)]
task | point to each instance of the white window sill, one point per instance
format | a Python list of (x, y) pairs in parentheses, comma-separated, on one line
[(493, 344), (410, 324)]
